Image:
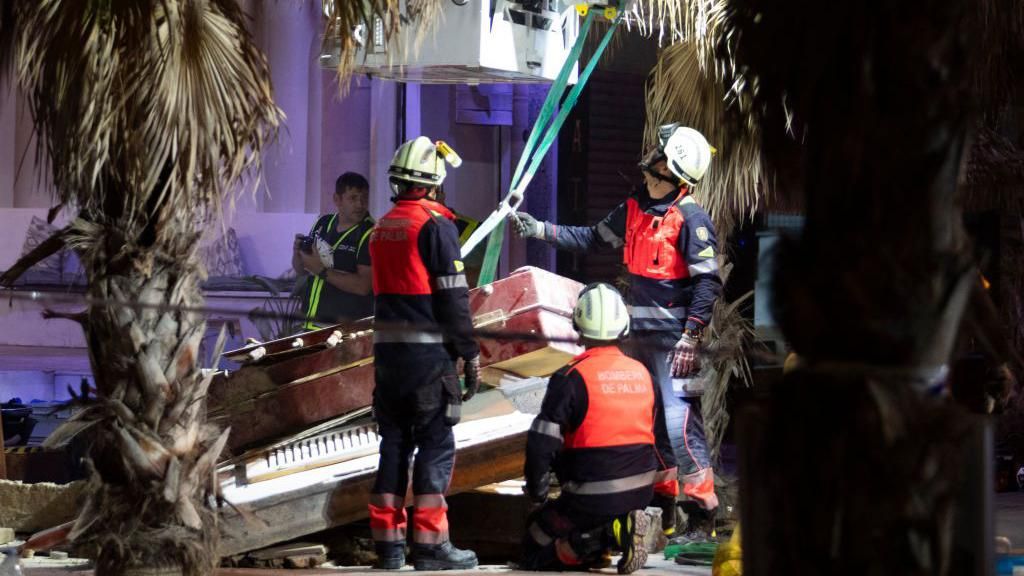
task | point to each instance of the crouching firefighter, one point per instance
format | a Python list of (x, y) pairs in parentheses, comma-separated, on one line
[(418, 281), (596, 431), (670, 250)]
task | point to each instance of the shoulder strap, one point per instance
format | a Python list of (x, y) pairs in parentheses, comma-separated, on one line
[(321, 225)]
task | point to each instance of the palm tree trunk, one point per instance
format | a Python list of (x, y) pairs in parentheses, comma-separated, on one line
[(149, 500), (860, 467), (149, 124)]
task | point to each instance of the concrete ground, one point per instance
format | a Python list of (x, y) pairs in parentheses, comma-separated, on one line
[(656, 566), (1009, 523)]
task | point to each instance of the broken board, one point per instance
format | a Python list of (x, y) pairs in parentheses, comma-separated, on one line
[(277, 510), (289, 384)]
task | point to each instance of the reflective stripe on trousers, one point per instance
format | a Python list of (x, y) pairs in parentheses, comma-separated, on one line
[(430, 519), (387, 517), (666, 482), (700, 487)]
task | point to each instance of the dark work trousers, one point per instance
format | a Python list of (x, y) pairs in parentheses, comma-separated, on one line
[(409, 403), (683, 419), (562, 537)]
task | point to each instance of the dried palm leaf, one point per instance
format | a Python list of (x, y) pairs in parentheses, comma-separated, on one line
[(350, 24), (704, 23), (999, 62), (137, 97), (994, 171), (150, 113), (681, 89), (731, 335)]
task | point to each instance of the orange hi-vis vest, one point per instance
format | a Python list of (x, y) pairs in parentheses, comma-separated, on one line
[(620, 401), (652, 243), (394, 248)]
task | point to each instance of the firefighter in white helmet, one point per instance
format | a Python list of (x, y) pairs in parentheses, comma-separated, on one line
[(670, 250), (595, 429), (419, 280)]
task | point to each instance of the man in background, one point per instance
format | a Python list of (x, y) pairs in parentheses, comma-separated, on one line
[(335, 258)]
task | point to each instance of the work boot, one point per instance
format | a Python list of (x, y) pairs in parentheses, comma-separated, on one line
[(690, 537), (699, 525), (390, 555), (668, 513), (442, 556), (628, 533), (591, 548)]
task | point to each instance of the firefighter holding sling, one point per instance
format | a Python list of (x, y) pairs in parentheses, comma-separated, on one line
[(419, 280), (670, 250)]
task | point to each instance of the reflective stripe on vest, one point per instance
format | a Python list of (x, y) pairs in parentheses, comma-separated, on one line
[(620, 401), (410, 337), (652, 242), (656, 313), (612, 486), (395, 251), (466, 226)]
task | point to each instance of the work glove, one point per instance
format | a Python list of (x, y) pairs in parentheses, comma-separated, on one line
[(684, 356), (471, 373), (527, 226)]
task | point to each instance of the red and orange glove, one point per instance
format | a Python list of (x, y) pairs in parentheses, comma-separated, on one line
[(685, 360)]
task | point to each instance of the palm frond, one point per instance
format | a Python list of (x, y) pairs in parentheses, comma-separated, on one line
[(731, 335), (151, 113), (143, 105), (682, 89), (994, 170), (998, 69), (350, 23)]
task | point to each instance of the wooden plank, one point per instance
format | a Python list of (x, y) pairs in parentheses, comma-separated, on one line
[(255, 380), (319, 446), (293, 407), (310, 339), (343, 500), (286, 550), (289, 390)]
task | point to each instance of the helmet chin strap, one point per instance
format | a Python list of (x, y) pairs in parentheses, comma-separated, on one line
[(670, 178), (409, 191)]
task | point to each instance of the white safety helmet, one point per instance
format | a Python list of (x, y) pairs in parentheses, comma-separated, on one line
[(421, 161), (600, 313), (687, 154)]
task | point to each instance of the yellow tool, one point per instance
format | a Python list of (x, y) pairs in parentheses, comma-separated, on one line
[(583, 8), (611, 12), (446, 152)]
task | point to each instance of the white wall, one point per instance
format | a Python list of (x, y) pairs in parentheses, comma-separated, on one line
[(265, 239), (38, 385), (473, 188)]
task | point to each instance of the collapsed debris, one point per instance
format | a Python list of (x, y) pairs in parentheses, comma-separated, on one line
[(299, 413)]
